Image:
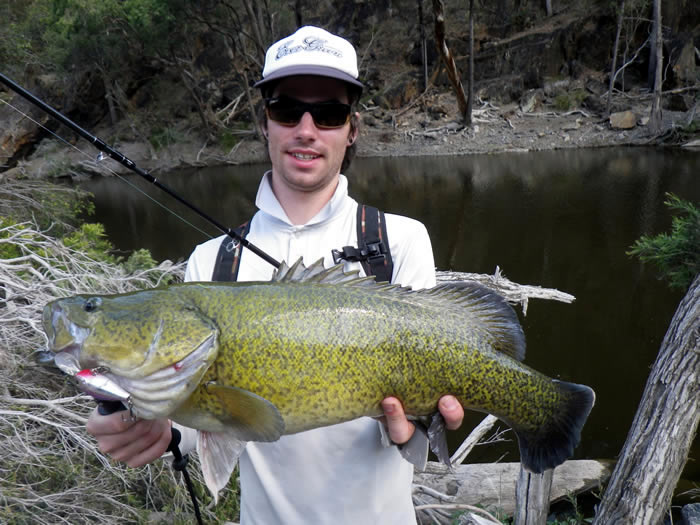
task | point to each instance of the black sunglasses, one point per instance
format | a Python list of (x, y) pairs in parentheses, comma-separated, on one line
[(288, 112)]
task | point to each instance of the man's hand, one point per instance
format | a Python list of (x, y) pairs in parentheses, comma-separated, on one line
[(135, 443), (401, 429)]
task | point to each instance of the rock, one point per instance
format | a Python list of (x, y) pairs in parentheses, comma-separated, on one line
[(594, 103), (369, 120), (684, 70), (623, 120), (692, 144), (401, 93), (531, 100), (18, 133), (681, 101), (571, 126), (556, 87)]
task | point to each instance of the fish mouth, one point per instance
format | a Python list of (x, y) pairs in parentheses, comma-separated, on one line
[(160, 393)]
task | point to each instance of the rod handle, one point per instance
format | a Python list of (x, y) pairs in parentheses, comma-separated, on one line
[(105, 408)]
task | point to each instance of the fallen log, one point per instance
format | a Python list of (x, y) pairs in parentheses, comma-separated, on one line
[(491, 486)]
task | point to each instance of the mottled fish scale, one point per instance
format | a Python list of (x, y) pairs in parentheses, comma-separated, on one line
[(314, 347)]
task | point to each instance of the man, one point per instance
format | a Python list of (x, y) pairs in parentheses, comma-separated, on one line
[(342, 473)]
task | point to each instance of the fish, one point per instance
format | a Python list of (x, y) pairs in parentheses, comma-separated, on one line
[(314, 346)]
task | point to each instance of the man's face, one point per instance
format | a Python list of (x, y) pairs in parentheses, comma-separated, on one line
[(306, 158)]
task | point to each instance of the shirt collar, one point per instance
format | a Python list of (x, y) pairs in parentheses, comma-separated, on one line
[(267, 202)]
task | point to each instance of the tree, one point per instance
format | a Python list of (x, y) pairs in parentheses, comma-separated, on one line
[(448, 58), (666, 422), (616, 46), (470, 81), (652, 459), (657, 52), (548, 7)]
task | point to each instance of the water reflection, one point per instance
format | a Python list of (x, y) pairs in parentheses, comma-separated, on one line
[(560, 219)]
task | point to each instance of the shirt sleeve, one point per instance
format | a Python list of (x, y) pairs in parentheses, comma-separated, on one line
[(411, 252)]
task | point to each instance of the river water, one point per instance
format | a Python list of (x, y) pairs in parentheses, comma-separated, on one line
[(560, 219)]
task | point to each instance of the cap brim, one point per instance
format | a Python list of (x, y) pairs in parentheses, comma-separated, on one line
[(318, 71)]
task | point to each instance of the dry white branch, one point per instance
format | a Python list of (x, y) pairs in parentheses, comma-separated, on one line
[(512, 292), (50, 469), (473, 439), (458, 506)]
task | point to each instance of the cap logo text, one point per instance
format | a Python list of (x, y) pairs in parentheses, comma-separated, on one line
[(310, 43)]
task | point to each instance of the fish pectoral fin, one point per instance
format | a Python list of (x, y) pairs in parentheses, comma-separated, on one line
[(251, 417), (218, 454), (438, 438)]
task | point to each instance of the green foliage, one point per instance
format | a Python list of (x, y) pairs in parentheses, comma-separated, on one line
[(677, 255), (569, 100), (91, 239), (108, 33), (8, 250), (228, 140), (13, 41), (164, 136)]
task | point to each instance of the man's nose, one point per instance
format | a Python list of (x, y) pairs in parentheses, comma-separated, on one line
[(307, 125)]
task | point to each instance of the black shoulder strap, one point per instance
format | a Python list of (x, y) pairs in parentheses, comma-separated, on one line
[(228, 259), (372, 244)]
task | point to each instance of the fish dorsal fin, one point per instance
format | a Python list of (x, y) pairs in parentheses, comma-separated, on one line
[(317, 273), (487, 311)]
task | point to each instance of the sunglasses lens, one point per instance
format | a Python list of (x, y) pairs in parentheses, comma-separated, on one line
[(288, 112), (284, 112), (331, 114)]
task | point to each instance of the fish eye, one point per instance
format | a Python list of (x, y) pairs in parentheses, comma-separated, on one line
[(92, 304)]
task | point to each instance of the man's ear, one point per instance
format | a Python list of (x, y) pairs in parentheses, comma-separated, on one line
[(354, 128)]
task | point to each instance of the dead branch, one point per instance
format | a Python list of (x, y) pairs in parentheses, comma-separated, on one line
[(514, 293)]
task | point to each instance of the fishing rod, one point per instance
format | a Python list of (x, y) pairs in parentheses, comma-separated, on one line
[(94, 382), (128, 163)]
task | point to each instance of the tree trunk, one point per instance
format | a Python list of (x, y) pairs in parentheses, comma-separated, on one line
[(423, 44), (664, 427), (109, 95), (470, 80), (298, 4), (257, 27), (548, 7), (448, 59), (657, 51), (532, 497), (616, 46)]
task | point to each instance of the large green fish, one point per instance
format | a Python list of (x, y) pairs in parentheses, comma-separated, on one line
[(252, 361)]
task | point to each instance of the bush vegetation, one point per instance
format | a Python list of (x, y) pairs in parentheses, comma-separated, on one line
[(676, 254), (50, 469)]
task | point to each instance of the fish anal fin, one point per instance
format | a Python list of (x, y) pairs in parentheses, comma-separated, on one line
[(250, 417), (437, 436), (415, 450), (555, 442), (218, 454)]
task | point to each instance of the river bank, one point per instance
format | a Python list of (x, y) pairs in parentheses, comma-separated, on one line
[(416, 130)]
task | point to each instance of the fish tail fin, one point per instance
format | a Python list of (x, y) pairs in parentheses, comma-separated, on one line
[(553, 443)]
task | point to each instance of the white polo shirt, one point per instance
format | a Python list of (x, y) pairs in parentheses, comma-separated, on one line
[(340, 474)]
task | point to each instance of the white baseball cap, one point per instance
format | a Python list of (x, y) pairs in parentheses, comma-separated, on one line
[(311, 51)]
